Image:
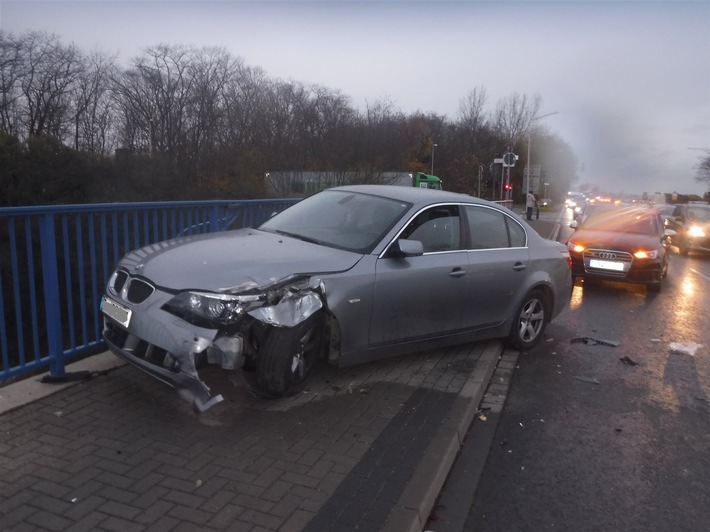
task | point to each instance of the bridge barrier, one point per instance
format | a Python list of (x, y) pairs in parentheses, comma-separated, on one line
[(56, 260)]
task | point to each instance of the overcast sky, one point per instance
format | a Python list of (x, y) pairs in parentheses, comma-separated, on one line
[(629, 81)]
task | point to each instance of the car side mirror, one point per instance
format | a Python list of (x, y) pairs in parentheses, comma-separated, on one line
[(573, 224), (668, 232), (408, 248)]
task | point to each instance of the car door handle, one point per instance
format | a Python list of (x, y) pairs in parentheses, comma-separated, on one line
[(457, 272), (519, 267)]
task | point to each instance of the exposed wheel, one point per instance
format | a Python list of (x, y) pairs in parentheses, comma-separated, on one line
[(530, 321), (288, 354)]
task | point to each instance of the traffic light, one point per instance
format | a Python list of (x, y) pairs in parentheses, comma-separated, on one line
[(508, 186)]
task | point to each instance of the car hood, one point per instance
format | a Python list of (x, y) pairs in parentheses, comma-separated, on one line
[(615, 240), (233, 260)]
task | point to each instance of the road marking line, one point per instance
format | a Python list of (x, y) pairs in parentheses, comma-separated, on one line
[(696, 272)]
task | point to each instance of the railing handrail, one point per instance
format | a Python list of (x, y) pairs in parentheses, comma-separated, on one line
[(88, 207)]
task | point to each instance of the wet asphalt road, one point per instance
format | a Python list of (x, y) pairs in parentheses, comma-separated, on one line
[(629, 453)]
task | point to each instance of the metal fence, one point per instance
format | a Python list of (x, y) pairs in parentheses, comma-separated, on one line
[(55, 261)]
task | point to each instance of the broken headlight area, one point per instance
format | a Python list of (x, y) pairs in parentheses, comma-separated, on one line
[(211, 310), (283, 304)]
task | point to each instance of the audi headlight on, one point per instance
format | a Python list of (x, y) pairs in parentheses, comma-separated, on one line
[(646, 254)]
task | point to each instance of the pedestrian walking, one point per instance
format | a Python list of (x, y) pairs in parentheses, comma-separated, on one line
[(530, 203)]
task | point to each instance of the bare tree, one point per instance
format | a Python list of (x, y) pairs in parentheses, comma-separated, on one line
[(93, 105), (11, 71), (703, 173), (471, 109), (51, 70), (514, 115)]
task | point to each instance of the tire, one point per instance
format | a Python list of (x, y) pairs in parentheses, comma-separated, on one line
[(287, 356), (654, 287), (530, 321)]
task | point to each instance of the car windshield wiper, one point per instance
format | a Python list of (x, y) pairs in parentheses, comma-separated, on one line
[(299, 237)]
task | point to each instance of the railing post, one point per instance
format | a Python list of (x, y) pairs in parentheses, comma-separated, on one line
[(214, 225), (50, 279)]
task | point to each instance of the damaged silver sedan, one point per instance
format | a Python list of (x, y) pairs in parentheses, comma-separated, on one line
[(348, 275)]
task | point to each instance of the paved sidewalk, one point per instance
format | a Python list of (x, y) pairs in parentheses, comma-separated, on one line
[(367, 448)]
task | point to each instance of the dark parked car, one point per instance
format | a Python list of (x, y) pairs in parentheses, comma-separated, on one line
[(348, 275), (691, 224), (623, 244)]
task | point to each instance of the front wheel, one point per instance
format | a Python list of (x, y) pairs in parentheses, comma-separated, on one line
[(530, 321), (288, 354)]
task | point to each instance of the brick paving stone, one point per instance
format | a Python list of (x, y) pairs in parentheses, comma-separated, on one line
[(116, 524)]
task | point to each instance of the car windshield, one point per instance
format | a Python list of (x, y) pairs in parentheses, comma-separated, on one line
[(335, 218), (699, 214), (639, 222)]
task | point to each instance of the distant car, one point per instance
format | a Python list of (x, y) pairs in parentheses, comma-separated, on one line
[(545, 202), (349, 275), (623, 244), (691, 224)]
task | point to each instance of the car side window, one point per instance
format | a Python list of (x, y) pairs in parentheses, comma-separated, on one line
[(517, 234), (437, 228), (488, 229)]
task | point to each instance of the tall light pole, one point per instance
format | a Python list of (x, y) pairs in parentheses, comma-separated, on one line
[(432, 157), (527, 174)]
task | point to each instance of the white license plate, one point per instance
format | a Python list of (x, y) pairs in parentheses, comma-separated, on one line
[(115, 311), (607, 265)]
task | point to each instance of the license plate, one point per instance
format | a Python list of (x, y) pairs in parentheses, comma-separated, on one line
[(115, 311), (607, 265)]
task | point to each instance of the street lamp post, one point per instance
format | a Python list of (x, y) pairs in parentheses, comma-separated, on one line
[(527, 173), (432, 157)]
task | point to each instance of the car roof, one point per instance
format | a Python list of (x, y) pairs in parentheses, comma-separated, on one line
[(414, 195)]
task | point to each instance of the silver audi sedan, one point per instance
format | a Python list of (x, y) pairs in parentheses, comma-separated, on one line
[(348, 275)]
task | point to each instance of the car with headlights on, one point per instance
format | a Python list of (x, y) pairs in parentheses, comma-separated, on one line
[(691, 223), (347, 275), (621, 244)]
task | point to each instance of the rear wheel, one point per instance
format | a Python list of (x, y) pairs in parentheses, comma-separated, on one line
[(530, 321), (287, 356)]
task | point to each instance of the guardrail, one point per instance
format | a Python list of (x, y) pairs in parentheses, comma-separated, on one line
[(55, 261)]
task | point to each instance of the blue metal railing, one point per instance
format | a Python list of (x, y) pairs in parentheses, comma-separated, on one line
[(55, 261)]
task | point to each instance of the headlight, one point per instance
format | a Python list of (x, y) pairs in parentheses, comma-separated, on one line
[(646, 254), (696, 231), (575, 248), (220, 308)]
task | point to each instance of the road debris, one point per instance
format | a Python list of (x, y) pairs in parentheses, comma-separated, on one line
[(588, 340), (689, 348), (626, 360), (590, 380)]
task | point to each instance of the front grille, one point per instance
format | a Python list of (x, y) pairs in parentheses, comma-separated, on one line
[(119, 280), (130, 289), (609, 256), (138, 291)]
